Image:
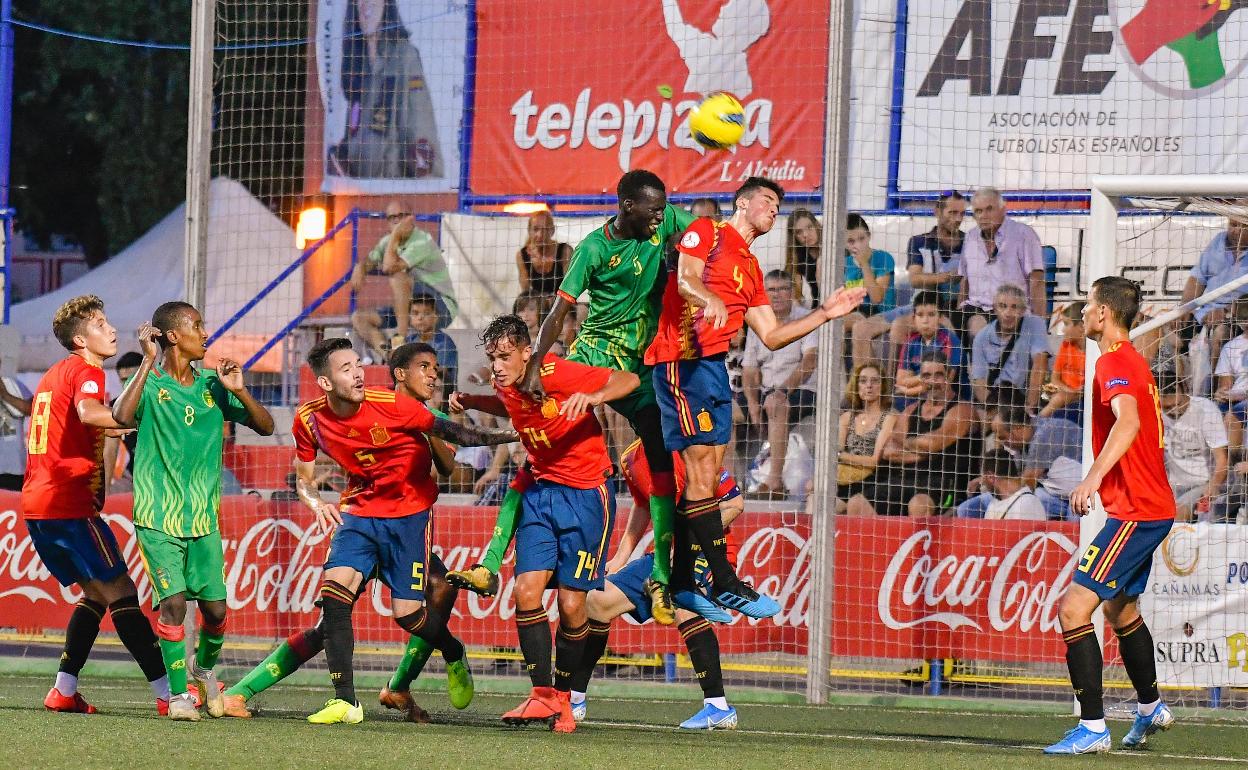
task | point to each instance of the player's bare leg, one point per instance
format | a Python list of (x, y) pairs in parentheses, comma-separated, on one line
[(367, 326), (401, 293)]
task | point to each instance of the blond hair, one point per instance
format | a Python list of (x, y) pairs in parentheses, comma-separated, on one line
[(69, 318)]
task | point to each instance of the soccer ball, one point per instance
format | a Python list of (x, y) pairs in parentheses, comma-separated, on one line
[(718, 122)]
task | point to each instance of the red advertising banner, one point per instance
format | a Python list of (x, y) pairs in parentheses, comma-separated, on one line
[(905, 589), (569, 95)]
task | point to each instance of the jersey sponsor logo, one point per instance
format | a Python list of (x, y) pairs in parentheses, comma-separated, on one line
[(208, 401), (690, 240), (90, 386), (163, 395), (1117, 381), (378, 434)]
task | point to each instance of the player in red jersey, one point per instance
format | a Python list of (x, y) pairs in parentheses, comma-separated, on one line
[(567, 512), (62, 494), (1130, 474), (382, 520), (718, 286)]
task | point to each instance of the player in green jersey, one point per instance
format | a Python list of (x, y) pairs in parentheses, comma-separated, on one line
[(180, 412), (414, 369), (621, 265)]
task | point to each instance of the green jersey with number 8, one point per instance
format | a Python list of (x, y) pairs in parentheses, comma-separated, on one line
[(177, 464)]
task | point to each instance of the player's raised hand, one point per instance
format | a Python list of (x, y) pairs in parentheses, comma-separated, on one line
[(455, 404), (715, 314), (842, 302), (578, 404), (147, 341), (1081, 496), (230, 374)]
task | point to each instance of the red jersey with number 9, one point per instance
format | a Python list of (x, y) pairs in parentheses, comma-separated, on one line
[(1136, 488), (568, 452), (64, 456), (731, 272), (381, 447)]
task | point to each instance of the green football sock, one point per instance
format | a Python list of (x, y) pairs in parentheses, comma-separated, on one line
[(504, 529), (663, 519), (280, 664), (208, 648), (413, 662), (174, 653)]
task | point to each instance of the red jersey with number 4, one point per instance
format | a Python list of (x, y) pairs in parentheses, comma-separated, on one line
[(571, 453), (1136, 488), (731, 272), (64, 456), (381, 447)]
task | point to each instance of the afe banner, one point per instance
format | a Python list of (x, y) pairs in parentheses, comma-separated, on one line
[(568, 97)]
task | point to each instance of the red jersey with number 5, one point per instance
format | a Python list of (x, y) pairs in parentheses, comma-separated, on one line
[(568, 452), (1136, 488), (64, 456), (381, 447), (731, 272)]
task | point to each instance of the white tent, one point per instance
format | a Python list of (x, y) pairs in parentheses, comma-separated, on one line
[(247, 247)]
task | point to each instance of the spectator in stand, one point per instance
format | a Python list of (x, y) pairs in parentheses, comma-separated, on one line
[(424, 328), (1065, 385), (542, 261), (1232, 376), (1197, 456), (15, 403), (706, 207), (871, 269), (803, 237), (1011, 498), (865, 430), (414, 264), (998, 251), (1223, 260), (928, 335), (929, 459), (779, 383), (1011, 351)]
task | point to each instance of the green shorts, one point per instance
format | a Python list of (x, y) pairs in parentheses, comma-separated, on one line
[(194, 566), (634, 402)]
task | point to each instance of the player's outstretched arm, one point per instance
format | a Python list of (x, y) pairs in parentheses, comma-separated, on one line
[(231, 376), (619, 385), (775, 335), (547, 335), (127, 404), (443, 455), (471, 435), (461, 402), (1126, 428), (306, 488)]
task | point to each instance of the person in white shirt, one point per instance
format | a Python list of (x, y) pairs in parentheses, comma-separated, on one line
[(1197, 456), (1231, 372), (1012, 499), (14, 409)]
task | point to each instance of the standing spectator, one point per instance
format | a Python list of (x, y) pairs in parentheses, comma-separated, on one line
[(1011, 351), (928, 335), (865, 430), (14, 409), (803, 238), (779, 383), (871, 269), (1197, 457), (998, 251), (706, 207), (1222, 261), (1011, 498), (1232, 377), (1065, 386), (414, 264), (542, 261)]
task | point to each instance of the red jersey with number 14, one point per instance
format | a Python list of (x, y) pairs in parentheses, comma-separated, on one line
[(1136, 488), (381, 447), (568, 452), (64, 456), (731, 272)]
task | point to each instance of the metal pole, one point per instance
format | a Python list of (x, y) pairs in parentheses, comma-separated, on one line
[(199, 149), (831, 275), (6, 143)]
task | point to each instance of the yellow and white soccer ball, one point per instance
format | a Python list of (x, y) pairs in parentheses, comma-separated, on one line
[(718, 122)]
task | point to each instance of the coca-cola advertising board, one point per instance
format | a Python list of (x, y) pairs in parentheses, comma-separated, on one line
[(567, 98)]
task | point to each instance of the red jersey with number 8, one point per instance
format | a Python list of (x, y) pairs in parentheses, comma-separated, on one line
[(64, 456), (568, 452), (1136, 488)]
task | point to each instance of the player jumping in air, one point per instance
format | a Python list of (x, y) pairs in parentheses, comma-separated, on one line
[(62, 494), (382, 521), (567, 513), (414, 369), (718, 286), (624, 593), (621, 266), (1130, 474), (180, 412)]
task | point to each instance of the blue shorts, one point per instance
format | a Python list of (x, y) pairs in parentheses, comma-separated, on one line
[(695, 402), (631, 580), (395, 551), (1120, 557), (566, 531), (77, 550)]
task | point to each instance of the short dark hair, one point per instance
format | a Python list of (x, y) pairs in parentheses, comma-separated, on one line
[(318, 356), (509, 327), (69, 318), (1012, 405), (778, 275), (856, 222), (167, 317), (403, 355), (1074, 311), (999, 463), (934, 356), (424, 298), (1120, 295), (631, 184), (1168, 384), (926, 297), (129, 360), (755, 183), (943, 199)]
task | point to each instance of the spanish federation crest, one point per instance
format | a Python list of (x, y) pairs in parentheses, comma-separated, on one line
[(550, 408), (379, 435)]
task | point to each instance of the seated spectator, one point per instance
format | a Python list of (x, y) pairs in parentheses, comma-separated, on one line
[(779, 383), (871, 269), (15, 403), (424, 328), (1197, 457), (928, 335), (998, 251), (1222, 261), (706, 207), (865, 430), (1231, 372), (492, 485), (1013, 350), (1065, 385), (1011, 498), (414, 264), (803, 239), (542, 261), (929, 458)]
